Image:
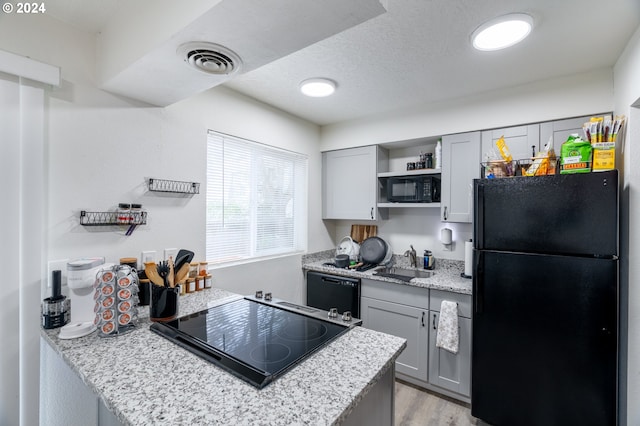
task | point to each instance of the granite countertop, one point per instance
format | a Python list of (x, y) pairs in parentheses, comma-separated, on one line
[(145, 379), (446, 275)]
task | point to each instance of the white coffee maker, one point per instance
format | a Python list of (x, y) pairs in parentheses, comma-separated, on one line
[(81, 274)]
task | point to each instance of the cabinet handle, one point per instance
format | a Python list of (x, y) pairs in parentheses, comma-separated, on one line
[(434, 321), (372, 213), (422, 320), (444, 215)]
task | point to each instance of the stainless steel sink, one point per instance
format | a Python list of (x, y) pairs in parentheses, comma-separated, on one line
[(403, 273)]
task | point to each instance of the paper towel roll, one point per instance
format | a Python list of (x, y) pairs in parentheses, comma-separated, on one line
[(468, 258)]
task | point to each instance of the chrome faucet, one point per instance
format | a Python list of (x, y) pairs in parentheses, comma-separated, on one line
[(412, 256)]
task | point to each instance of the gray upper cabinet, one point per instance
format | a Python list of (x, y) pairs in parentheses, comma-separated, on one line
[(523, 141), (460, 166), (560, 131), (350, 183)]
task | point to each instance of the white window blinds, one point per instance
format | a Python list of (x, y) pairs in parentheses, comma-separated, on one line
[(256, 200)]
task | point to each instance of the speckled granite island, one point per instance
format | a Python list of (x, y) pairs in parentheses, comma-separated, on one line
[(142, 378)]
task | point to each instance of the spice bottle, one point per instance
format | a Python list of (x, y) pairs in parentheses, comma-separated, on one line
[(191, 285), (207, 281), (193, 269), (123, 213), (202, 268), (200, 282), (136, 213)]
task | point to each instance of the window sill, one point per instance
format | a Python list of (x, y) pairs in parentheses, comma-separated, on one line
[(223, 265)]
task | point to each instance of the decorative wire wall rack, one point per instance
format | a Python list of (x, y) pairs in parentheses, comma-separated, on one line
[(129, 218), (176, 186)]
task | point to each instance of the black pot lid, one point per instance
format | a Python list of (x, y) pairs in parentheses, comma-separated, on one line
[(373, 250)]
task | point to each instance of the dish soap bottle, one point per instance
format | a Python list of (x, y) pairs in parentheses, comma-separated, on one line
[(429, 260)]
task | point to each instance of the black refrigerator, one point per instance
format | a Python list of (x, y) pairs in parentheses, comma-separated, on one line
[(545, 300)]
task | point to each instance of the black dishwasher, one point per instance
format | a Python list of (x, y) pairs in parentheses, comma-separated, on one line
[(326, 291)]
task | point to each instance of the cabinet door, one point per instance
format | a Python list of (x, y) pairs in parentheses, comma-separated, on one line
[(447, 370), (350, 183), (523, 141), (404, 321), (460, 166), (560, 130)]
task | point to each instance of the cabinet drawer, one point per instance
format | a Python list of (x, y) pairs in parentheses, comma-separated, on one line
[(463, 300), (396, 293)]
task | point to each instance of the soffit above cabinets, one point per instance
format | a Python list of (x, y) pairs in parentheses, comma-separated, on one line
[(138, 54)]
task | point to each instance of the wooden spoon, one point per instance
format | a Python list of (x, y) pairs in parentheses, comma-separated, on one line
[(181, 274), (151, 270), (171, 272)]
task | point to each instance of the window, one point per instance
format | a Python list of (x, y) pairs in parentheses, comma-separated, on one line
[(256, 200)]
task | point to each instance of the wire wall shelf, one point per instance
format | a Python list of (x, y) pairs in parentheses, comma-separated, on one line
[(175, 186), (128, 218)]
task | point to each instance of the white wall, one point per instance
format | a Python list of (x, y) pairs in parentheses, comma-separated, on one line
[(565, 97), (419, 227), (627, 101), (103, 147)]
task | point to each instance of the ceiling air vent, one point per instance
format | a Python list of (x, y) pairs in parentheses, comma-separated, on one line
[(210, 58)]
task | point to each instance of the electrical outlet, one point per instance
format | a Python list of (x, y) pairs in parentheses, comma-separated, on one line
[(170, 252), (148, 256), (54, 265)]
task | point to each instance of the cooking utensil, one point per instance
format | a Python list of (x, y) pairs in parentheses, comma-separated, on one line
[(373, 250), (171, 276), (163, 271), (181, 274), (151, 271), (183, 256), (342, 261)]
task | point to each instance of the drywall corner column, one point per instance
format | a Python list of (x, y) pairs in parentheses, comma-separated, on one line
[(22, 124), (31, 244)]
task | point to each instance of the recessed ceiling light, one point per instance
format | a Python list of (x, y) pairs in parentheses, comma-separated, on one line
[(318, 87), (502, 32)]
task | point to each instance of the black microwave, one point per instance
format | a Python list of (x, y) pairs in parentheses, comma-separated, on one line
[(413, 189)]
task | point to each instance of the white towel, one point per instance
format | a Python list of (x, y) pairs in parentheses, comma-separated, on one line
[(447, 336)]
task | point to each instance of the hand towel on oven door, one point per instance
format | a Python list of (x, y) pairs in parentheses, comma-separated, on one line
[(447, 336)]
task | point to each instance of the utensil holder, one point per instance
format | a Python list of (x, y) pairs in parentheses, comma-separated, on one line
[(163, 303)]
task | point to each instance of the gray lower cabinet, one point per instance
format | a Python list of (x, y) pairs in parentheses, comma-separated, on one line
[(447, 370), (404, 321), (413, 313)]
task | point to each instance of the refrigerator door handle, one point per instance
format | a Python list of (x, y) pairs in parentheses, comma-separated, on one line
[(478, 223), (478, 281)]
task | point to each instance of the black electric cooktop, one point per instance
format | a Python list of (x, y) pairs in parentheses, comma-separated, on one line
[(255, 341)]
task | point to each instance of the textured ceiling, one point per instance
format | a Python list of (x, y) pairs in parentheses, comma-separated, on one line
[(419, 53)]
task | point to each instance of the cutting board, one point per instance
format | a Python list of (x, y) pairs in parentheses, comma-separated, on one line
[(359, 233)]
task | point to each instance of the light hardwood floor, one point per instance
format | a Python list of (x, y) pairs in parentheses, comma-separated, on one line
[(417, 407)]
